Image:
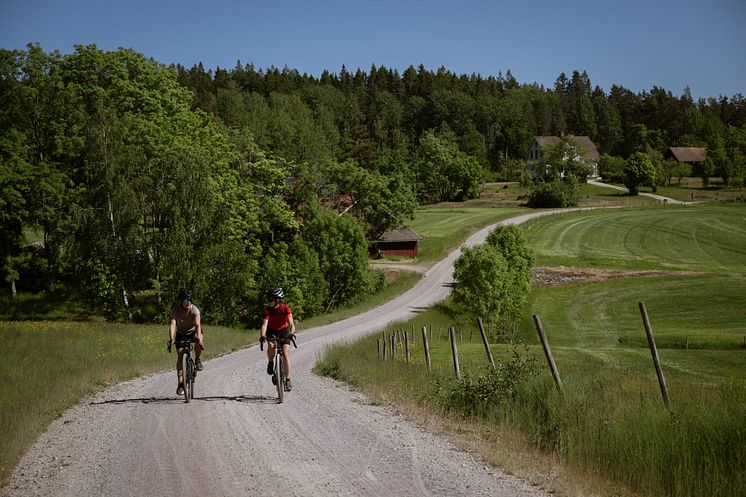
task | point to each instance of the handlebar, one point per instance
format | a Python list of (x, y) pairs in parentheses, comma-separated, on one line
[(182, 343)]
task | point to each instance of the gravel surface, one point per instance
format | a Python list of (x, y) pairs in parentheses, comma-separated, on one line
[(138, 439)]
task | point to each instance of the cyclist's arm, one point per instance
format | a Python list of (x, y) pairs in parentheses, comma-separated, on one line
[(198, 327), (263, 331), (172, 330), (292, 324)]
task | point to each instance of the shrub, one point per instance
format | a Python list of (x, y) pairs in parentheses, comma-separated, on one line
[(559, 193), (476, 394)]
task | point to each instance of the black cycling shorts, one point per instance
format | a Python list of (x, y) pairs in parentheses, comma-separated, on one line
[(283, 335), (181, 341)]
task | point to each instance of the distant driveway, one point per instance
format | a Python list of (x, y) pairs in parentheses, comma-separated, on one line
[(659, 198)]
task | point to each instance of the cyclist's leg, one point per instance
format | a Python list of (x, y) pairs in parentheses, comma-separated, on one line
[(197, 346), (270, 352), (286, 362), (180, 365)]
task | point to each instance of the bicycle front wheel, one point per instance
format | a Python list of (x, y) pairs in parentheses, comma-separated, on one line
[(280, 376), (193, 377), (188, 371)]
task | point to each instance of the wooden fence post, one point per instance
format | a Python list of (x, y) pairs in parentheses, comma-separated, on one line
[(654, 352), (426, 346), (484, 341), (454, 350), (378, 346), (547, 352), (406, 346)]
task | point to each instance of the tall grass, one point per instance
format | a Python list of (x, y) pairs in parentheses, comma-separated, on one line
[(608, 422)]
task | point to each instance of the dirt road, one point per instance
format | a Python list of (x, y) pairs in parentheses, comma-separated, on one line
[(138, 439)]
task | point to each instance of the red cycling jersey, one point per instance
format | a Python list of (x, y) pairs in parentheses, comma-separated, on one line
[(277, 316)]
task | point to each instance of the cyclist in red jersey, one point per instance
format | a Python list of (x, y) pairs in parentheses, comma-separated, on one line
[(278, 323)]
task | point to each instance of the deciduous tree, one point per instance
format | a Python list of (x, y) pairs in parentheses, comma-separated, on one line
[(638, 171)]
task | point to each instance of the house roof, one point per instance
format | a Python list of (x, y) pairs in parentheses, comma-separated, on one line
[(590, 152), (400, 235), (688, 154)]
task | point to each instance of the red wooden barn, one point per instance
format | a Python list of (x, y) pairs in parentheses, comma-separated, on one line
[(399, 241)]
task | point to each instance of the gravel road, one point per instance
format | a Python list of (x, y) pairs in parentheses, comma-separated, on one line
[(138, 439)]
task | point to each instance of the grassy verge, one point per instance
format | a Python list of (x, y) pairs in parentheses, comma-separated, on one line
[(48, 367), (608, 433)]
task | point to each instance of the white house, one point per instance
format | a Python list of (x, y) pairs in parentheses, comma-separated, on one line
[(589, 153)]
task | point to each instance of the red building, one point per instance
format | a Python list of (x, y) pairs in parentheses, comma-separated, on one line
[(400, 242)]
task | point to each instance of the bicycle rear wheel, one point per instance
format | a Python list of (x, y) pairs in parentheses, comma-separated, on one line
[(280, 376), (188, 365)]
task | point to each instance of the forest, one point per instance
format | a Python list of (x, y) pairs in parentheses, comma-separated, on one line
[(124, 179)]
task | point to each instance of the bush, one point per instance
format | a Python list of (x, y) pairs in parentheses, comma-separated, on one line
[(611, 168), (477, 394), (560, 193)]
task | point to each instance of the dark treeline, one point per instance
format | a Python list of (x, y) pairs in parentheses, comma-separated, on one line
[(370, 116), (123, 179)]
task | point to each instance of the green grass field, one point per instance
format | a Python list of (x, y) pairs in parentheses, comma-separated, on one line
[(444, 228), (610, 429), (707, 238)]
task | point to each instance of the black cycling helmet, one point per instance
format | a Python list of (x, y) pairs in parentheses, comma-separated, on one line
[(275, 293), (183, 295)]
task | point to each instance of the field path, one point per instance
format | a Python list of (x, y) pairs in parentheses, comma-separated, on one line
[(654, 196), (138, 439)]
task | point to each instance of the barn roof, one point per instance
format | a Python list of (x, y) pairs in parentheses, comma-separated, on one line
[(688, 154), (400, 235), (590, 152)]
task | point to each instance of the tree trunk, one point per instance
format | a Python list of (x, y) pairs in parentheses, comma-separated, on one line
[(126, 304), (13, 292), (114, 236)]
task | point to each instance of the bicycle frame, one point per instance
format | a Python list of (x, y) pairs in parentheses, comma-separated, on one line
[(189, 370), (279, 369)]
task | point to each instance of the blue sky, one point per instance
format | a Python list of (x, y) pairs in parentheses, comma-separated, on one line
[(637, 44)]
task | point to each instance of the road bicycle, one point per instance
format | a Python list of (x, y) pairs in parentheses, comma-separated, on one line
[(278, 376), (190, 369)]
